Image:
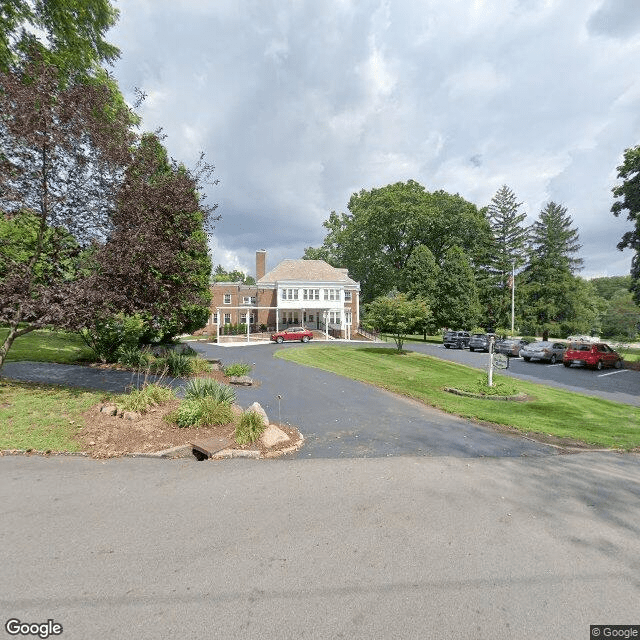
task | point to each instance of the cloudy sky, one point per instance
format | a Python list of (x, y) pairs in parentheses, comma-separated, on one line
[(300, 103)]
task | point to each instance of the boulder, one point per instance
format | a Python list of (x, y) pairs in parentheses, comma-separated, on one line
[(256, 407), (109, 409), (237, 410), (272, 435), (244, 381)]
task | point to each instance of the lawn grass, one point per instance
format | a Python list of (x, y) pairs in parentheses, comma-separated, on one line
[(42, 417), (548, 411), (43, 345)]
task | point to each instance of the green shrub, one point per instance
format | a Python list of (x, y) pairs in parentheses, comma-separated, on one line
[(237, 369), (106, 337), (131, 356), (501, 386), (250, 427), (178, 364), (201, 412), (150, 395), (199, 365), (207, 387)]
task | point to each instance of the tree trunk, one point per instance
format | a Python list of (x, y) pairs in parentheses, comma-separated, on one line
[(14, 333)]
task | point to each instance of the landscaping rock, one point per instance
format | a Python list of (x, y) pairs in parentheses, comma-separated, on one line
[(109, 409), (272, 436), (244, 381), (256, 407), (237, 410), (131, 415)]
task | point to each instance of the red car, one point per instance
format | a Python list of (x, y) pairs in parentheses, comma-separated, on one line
[(596, 355), (293, 333)]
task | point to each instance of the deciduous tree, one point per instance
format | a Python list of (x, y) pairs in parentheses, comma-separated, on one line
[(457, 305), (397, 315), (156, 261), (62, 152), (68, 34), (385, 225), (627, 197)]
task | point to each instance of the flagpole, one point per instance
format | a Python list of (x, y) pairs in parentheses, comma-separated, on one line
[(513, 294)]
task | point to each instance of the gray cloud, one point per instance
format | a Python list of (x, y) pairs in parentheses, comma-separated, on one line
[(616, 19), (301, 104)]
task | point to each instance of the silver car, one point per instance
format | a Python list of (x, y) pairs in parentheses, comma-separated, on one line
[(548, 351)]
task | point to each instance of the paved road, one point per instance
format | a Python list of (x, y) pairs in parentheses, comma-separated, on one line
[(339, 418), (403, 547)]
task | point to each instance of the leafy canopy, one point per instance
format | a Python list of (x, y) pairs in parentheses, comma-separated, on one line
[(627, 195), (398, 315)]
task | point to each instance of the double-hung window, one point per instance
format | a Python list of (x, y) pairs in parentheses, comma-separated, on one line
[(289, 294), (332, 294)]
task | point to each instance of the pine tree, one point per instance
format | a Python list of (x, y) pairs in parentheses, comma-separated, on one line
[(554, 240), (509, 253), (550, 301)]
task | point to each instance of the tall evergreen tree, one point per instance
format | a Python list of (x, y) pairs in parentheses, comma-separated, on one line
[(509, 252), (555, 240), (457, 303), (550, 287)]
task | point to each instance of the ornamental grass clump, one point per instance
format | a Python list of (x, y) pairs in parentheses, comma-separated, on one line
[(150, 395), (250, 427), (201, 412), (178, 364), (207, 387)]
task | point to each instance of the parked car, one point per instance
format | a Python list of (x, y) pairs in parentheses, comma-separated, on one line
[(596, 355), (549, 351), (292, 334), (511, 346), (456, 339), (480, 341)]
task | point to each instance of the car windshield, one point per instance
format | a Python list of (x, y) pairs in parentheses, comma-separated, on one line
[(580, 346)]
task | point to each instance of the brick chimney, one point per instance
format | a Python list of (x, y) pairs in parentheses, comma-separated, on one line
[(261, 263)]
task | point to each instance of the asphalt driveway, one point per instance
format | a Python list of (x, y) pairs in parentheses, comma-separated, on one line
[(340, 418)]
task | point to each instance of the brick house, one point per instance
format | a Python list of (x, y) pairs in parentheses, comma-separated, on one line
[(296, 292)]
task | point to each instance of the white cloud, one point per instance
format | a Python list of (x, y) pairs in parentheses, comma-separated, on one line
[(300, 104)]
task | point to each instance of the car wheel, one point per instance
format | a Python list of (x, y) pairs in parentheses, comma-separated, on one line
[(618, 364), (553, 359), (305, 339), (279, 339), (471, 349), (566, 364), (446, 346), (599, 365), (526, 358)]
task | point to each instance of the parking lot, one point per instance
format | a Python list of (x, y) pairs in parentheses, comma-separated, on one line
[(619, 385)]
